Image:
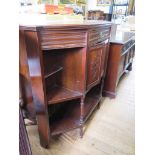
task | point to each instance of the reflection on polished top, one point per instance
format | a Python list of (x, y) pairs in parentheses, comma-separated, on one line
[(121, 37), (44, 20)]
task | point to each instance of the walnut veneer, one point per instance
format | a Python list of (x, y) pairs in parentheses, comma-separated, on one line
[(64, 67)]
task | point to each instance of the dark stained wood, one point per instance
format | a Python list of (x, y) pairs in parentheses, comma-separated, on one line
[(70, 115), (93, 67), (52, 70), (67, 72), (37, 81), (120, 60), (99, 35), (59, 94), (62, 39), (25, 82)]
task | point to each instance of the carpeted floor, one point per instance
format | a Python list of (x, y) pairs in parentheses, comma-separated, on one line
[(109, 131)]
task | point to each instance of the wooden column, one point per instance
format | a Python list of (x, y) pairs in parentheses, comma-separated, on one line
[(37, 81)]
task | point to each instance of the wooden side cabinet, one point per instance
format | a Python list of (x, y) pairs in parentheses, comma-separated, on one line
[(66, 65), (120, 59)]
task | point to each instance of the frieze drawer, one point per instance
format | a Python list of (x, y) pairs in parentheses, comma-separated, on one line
[(98, 36), (62, 39)]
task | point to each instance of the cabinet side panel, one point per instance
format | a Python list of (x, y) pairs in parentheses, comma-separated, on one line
[(37, 81), (25, 82), (112, 68)]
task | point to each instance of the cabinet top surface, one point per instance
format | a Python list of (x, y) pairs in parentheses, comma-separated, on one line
[(34, 21), (121, 37)]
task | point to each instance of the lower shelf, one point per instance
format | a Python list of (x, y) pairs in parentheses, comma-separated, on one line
[(70, 115)]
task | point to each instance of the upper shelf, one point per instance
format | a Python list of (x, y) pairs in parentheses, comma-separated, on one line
[(52, 71)]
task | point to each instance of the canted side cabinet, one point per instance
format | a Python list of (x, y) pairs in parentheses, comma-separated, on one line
[(121, 54), (66, 65)]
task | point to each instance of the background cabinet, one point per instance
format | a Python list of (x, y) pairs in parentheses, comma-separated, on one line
[(120, 60)]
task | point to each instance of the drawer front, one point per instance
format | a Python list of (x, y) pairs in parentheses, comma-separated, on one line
[(62, 39), (128, 45), (93, 66), (97, 36)]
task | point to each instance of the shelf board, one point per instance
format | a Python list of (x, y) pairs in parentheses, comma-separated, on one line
[(60, 94), (71, 117), (52, 71)]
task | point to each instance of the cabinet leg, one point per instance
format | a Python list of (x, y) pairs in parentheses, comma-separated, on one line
[(43, 130), (81, 115)]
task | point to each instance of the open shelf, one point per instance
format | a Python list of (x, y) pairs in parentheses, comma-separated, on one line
[(52, 70), (66, 119), (92, 99), (69, 117), (59, 94)]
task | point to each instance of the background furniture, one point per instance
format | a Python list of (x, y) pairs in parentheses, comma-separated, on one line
[(119, 8), (25, 82), (24, 144), (121, 54), (67, 64), (99, 15), (95, 15)]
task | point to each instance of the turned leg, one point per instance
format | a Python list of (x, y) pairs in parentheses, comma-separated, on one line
[(81, 116)]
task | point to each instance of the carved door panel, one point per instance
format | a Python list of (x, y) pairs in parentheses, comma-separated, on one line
[(93, 66), (104, 59)]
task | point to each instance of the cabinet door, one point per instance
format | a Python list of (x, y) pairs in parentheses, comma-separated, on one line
[(93, 66), (104, 58)]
